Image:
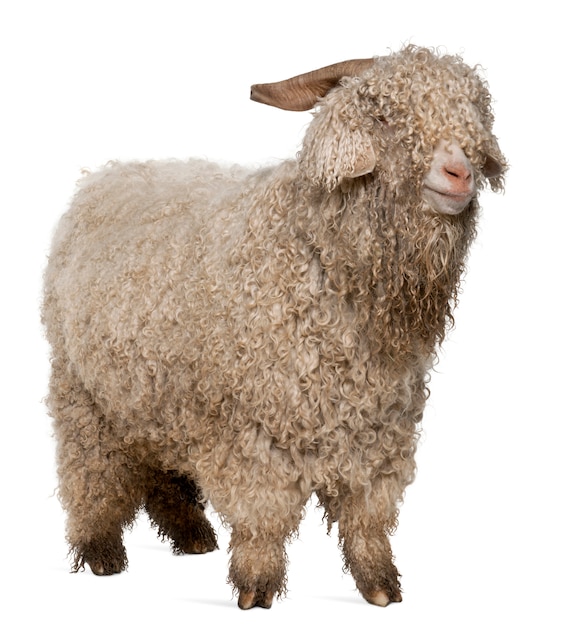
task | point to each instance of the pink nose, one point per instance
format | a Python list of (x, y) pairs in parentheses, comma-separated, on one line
[(459, 177)]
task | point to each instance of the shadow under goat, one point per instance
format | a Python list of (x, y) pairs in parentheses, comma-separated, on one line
[(251, 337)]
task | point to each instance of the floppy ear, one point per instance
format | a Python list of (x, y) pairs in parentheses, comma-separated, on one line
[(495, 166), (337, 145)]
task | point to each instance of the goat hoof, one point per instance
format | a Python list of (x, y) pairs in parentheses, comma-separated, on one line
[(251, 599), (202, 547), (195, 546), (104, 556), (380, 597), (99, 569)]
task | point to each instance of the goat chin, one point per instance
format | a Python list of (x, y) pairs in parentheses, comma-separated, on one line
[(446, 203)]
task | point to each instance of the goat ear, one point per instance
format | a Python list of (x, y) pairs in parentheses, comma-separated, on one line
[(495, 166), (336, 145), (364, 162), (492, 167)]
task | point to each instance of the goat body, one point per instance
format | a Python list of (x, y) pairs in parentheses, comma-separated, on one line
[(250, 338)]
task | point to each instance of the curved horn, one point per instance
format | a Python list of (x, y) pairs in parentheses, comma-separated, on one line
[(302, 92)]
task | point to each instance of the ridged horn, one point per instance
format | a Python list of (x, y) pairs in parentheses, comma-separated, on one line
[(302, 92)]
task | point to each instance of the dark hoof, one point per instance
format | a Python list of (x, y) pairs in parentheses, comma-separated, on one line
[(99, 568), (198, 539), (104, 556), (251, 599)]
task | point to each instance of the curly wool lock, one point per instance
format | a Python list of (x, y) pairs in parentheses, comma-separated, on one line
[(249, 338)]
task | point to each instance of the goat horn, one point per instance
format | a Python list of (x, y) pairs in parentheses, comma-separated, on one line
[(302, 92)]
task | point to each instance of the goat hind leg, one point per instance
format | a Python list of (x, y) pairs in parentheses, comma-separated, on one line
[(173, 504)]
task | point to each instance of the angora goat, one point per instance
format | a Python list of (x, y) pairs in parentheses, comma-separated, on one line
[(249, 338)]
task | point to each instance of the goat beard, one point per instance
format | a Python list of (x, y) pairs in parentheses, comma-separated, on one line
[(407, 265), (421, 273), (392, 258)]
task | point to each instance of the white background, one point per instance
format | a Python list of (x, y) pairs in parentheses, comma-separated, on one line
[(85, 82)]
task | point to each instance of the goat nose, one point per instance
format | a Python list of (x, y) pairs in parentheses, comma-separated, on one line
[(459, 177), (457, 170)]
